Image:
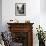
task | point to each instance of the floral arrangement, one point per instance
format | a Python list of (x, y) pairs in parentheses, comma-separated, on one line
[(40, 33)]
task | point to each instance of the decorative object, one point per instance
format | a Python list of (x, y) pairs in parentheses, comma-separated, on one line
[(41, 36), (27, 21), (7, 38), (13, 21), (45, 35), (20, 9), (1, 40)]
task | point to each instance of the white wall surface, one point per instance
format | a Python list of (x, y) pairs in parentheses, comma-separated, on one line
[(33, 13), (43, 6), (43, 14), (0, 15)]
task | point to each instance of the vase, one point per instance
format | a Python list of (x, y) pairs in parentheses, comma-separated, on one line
[(41, 43)]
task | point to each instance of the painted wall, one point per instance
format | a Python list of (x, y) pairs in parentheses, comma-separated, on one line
[(0, 15), (43, 14), (43, 6), (33, 13)]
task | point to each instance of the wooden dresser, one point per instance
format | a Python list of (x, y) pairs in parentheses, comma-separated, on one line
[(22, 33)]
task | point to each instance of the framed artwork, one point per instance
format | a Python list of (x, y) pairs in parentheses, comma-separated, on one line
[(20, 9)]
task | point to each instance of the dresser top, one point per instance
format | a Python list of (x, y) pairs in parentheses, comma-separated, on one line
[(19, 23)]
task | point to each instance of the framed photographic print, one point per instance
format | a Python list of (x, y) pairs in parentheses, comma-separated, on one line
[(20, 9)]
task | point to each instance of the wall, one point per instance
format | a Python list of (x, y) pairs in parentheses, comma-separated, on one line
[(33, 13), (43, 14), (0, 14), (43, 6)]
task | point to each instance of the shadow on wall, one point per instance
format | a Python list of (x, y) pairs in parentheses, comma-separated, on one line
[(43, 6), (0, 15)]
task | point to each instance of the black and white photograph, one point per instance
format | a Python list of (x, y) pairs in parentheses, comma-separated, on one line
[(20, 9)]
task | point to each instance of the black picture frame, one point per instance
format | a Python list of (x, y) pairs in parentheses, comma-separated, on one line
[(20, 9)]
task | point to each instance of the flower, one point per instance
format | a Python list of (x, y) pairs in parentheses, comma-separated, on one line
[(40, 33)]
